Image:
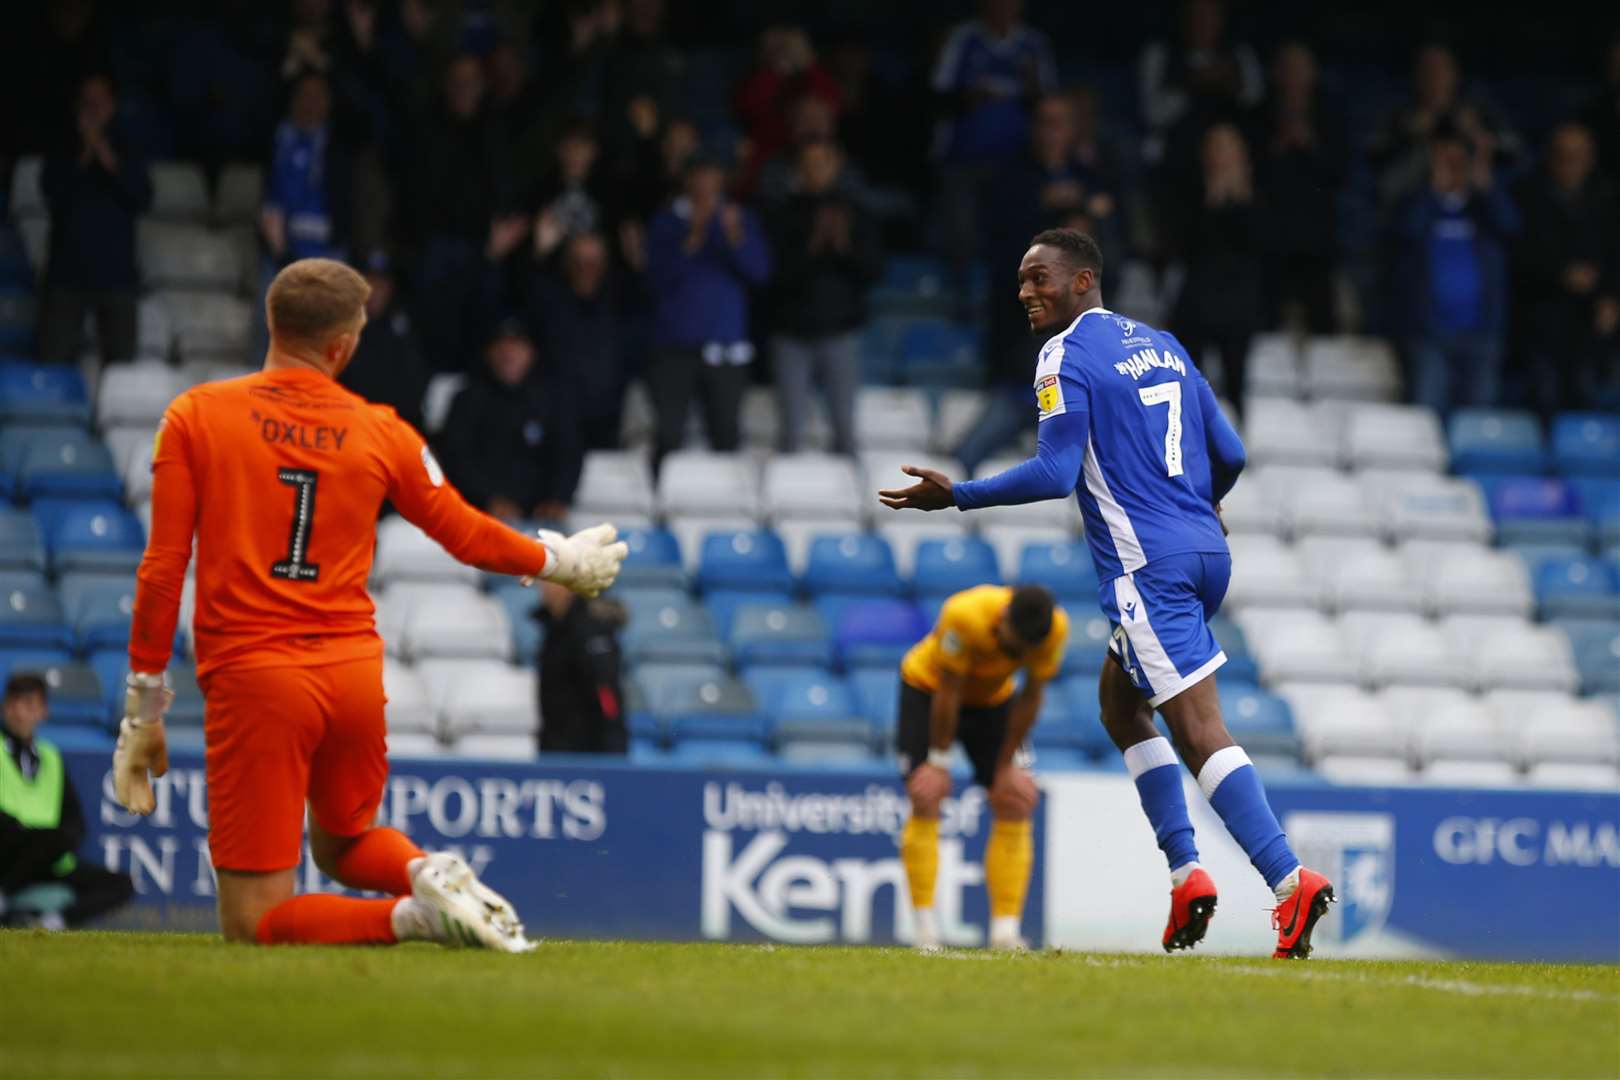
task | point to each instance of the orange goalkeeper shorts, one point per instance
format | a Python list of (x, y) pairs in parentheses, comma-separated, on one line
[(278, 737)]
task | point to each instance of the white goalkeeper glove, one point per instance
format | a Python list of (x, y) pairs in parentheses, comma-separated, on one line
[(143, 748), (586, 562)]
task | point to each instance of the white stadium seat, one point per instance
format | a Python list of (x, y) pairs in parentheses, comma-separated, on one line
[(476, 627), (179, 191), (187, 257), (1321, 502), (1470, 773), (498, 747), (209, 326), (1268, 573), (1481, 581), (406, 553), (613, 483), (154, 329), (1337, 720), (959, 413), (130, 443), (1468, 731), (1282, 432), (893, 417), (1250, 507), (1513, 654), (137, 393), (1400, 647), (698, 482), (395, 605), (1424, 506), (238, 195), (811, 486), (497, 699), (1394, 437), (410, 744), (440, 395), (409, 708), (1350, 368), (1578, 775), (1360, 575), (1371, 771), (1569, 732), (1273, 368), (1409, 705), (905, 530), (1297, 646)]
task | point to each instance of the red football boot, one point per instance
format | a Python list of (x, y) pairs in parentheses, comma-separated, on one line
[(1295, 917), (1192, 905)]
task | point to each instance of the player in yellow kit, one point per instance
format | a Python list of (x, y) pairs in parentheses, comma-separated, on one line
[(957, 684)]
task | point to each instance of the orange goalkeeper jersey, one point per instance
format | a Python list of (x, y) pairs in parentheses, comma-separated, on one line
[(280, 476)]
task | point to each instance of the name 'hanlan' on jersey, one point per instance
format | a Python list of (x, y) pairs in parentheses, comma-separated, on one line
[(1145, 491)]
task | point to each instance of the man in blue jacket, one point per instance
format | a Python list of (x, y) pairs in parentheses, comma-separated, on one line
[(705, 253)]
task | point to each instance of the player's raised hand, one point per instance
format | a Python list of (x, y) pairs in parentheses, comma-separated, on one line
[(586, 562), (931, 492), (143, 748)]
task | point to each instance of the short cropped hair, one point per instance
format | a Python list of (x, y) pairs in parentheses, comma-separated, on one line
[(1030, 613), (1079, 250), (312, 299), (26, 682)]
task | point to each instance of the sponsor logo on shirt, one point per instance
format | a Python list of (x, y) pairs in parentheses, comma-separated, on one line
[(431, 464), (1048, 394)]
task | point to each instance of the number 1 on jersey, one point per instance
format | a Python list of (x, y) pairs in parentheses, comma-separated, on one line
[(294, 567), (1167, 394)]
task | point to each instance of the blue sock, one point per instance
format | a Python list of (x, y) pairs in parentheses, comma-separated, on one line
[(1233, 788), (1157, 771)]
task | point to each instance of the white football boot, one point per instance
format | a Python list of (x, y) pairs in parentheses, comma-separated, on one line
[(449, 904), (925, 936), (1004, 935)]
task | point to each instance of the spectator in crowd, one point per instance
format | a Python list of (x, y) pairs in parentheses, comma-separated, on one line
[(989, 72), (785, 72), (1047, 186), (1217, 231), (581, 680), (1400, 148), (95, 185), (1602, 114), (56, 47), (827, 254), (657, 169), (570, 200), (1303, 162), (1567, 273), (704, 255), (308, 192), (877, 118), (812, 120), (519, 105), (1202, 77), (388, 367), (42, 825), (511, 442), (460, 206), (1453, 238), (582, 308), (641, 76)]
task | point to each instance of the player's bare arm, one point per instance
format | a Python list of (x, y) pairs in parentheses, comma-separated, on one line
[(930, 783)]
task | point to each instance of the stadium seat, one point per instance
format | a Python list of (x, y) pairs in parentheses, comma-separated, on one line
[(744, 560), (1365, 771), (209, 327), (1574, 733), (1519, 655), (1087, 647), (1582, 776), (1467, 773), (76, 695), (872, 631), (1496, 441), (474, 628), (1534, 553), (654, 559), (21, 546), (1260, 721), (1600, 500), (1362, 577), (1268, 573), (491, 699), (396, 605), (1577, 587), (959, 412), (1297, 646), (948, 566), (1337, 720), (91, 536), (1394, 437), (912, 284), (723, 604), (512, 746), (1350, 368), (696, 482), (1281, 432), (615, 482), (1319, 502), (31, 617), (1273, 367), (238, 194), (779, 634), (1587, 444), (829, 746), (136, 393), (154, 330), (42, 394), (790, 693), (173, 256), (27, 190), (1596, 648), (440, 395), (179, 191), (409, 708), (877, 696), (1468, 732), (714, 754), (520, 603), (188, 707), (1535, 509), (406, 553), (99, 607), (941, 354), (905, 533), (703, 706), (669, 628), (1065, 568), (859, 563), (38, 660), (1479, 581), (19, 315), (1414, 505), (1401, 647), (412, 744), (1251, 507), (892, 418), (812, 486), (691, 532), (44, 462)]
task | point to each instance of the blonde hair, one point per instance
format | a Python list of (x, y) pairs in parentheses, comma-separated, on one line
[(313, 299)]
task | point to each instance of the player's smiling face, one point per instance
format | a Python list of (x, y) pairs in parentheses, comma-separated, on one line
[(1048, 290)]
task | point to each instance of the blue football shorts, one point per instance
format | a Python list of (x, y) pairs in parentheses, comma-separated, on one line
[(1160, 616)]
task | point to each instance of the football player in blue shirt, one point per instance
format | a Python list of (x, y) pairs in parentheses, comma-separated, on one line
[(1130, 426)]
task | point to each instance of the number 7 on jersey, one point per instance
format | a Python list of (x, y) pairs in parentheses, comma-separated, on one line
[(1168, 393)]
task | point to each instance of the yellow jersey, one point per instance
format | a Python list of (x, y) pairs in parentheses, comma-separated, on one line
[(964, 641)]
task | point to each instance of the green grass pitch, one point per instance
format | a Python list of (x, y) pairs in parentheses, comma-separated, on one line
[(107, 1004)]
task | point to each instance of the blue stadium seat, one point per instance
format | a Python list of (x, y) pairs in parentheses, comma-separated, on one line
[(875, 632), (1072, 719), (1587, 444), (31, 616), (669, 627), (851, 563), (1534, 554), (877, 696), (654, 560), (721, 754), (1596, 645), (1535, 509), (842, 745), (38, 660), (1577, 587), (790, 693), (779, 634), (1600, 498), (1240, 666), (1259, 720), (709, 708), (1064, 568), (659, 681), (21, 546), (36, 393), (76, 696), (646, 751), (89, 535), (940, 354), (1496, 441), (880, 349), (723, 604), (19, 313), (1087, 647), (520, 603), (744, 560), (99, 607), (912, 285), (58, 461), (948, 566)]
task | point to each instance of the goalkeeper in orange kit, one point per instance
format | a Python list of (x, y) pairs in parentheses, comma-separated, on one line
[(279, 477)]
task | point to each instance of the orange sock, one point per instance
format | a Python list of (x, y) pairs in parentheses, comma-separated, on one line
[(376, 861), (321, 919)]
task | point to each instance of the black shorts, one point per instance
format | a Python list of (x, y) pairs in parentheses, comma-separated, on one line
[(980, 730)]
